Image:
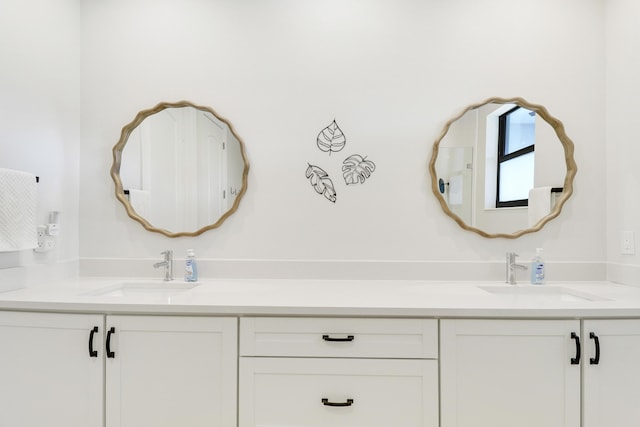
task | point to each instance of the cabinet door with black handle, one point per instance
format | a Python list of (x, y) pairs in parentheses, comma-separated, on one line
[(166, 371), (611, 392), (523, 373), (49, 375)]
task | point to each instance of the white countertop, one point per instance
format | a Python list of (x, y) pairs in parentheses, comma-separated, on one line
[(289, 297)]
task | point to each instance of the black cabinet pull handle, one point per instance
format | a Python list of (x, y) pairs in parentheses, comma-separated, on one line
[(348, 338), (595, 360), (326, 402), (92, 352), (110, 354), (576, 360)]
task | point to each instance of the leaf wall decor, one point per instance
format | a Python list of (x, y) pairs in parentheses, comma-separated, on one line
[(356, 169), (331, 139), (321, 182)]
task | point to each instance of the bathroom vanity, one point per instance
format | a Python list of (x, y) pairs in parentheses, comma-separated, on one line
[(317, 353)]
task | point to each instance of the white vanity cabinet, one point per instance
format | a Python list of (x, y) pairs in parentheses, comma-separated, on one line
[(118, 370), (342, 372), (51, 370), (77, 370), (167, 371), (611, 373), (506, 373)]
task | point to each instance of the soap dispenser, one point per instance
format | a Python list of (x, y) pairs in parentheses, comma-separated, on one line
[(537, 268), (190, 267)]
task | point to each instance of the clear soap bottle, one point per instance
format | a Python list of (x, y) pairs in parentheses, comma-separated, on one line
[(537, 268), (190, 267)]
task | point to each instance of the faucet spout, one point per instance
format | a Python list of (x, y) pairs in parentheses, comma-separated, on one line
[(512, 267), (167, 263)]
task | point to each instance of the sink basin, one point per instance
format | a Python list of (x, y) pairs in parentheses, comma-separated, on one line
[(129, 289), (534, 293)]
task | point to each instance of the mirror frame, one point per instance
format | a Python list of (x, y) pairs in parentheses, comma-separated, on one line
[(117, 158), (566, 142)]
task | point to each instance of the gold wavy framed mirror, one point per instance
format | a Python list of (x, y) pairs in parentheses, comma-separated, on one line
[(179, 169), (477, 186)]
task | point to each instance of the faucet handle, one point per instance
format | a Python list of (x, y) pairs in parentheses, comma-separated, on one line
[(168, 253)]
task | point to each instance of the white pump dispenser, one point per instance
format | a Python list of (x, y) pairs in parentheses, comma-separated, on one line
[(190, 267), (537, 268)]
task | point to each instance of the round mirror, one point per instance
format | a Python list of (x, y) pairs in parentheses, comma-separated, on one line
[(179, 169), (503, 167)]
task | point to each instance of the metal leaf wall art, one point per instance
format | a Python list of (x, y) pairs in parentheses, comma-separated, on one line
[(356, 169), (331, 139), (321, 182)]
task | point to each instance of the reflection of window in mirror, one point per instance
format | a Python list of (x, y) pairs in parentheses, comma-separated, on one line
[(515, 162), (471, 194)]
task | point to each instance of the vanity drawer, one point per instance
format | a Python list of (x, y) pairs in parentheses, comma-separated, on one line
[(339, 337), (310, 392)]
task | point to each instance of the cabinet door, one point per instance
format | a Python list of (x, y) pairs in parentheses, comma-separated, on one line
[(47, 375), (171, 371), (611, 392), (506, 373), (315, 392)]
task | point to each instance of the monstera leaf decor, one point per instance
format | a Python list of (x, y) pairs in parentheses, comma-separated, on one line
[(331, 139), (356, 169), (321, 182)]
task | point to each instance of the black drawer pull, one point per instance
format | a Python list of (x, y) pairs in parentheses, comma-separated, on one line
[(595, 360), (326, 402), (110, 354), (92, 352), (347, 339), (576, 360)]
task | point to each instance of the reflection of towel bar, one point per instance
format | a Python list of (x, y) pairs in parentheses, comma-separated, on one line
[(442, 185)]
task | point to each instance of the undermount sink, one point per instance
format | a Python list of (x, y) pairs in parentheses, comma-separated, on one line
[(540, 293), (128, 289)]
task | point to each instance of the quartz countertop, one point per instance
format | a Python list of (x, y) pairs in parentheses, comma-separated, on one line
[(289, 297)]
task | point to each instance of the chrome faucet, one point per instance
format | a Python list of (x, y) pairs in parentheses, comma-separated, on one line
[(512, 267), (167, 263)]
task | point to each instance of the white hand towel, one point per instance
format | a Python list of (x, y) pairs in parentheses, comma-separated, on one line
[(539, 204), (18, 201)]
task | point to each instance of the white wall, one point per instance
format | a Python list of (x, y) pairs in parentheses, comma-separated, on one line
[(623, 141), (390, 72), (40, 113)]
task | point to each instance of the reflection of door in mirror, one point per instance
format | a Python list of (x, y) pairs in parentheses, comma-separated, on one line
[(211, 170), (179, 169), (175, 168)]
